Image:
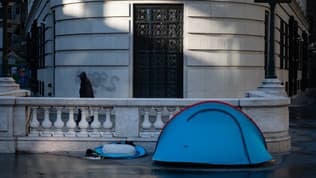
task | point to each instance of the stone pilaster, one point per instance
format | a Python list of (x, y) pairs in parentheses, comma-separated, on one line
[(8, 87)]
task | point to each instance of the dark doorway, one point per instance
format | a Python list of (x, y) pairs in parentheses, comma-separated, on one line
[(158, 51)]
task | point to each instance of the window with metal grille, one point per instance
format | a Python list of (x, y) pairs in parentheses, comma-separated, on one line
[(158, 53)]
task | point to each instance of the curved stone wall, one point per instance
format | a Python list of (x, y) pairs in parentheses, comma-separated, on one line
[(223, 43)]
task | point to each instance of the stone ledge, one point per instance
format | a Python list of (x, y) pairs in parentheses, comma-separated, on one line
[(58, 101), (279, 145), (7, 100), (46, 144), (265, 101), (272, 135)]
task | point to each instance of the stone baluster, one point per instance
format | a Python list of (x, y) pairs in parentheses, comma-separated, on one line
[(83, 124), (34, 124), (59, 124), (177, 110), (158, 124), (171, 113), (71, 124), (165, 111), (90, 113), (107, 124), (46, 124), (95, 125), (146, 124)]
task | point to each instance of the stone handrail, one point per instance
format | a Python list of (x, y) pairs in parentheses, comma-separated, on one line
[(29, 121)]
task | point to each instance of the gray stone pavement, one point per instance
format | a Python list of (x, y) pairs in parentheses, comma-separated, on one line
[(300, 162)]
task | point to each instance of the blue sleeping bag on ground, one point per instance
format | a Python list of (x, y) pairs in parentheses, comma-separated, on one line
[(123, 150)]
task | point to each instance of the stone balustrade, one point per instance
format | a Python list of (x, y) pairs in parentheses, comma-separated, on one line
[(97, 122), (51, 124), (50, 121)]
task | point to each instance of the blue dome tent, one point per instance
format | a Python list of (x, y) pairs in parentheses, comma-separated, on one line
[(211, 132)]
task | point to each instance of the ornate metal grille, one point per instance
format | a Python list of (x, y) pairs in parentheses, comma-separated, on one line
[(158, 54)]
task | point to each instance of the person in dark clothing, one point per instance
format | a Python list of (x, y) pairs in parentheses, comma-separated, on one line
[(85, 91)]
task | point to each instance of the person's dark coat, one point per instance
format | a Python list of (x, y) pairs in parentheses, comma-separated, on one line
[(86, 90)]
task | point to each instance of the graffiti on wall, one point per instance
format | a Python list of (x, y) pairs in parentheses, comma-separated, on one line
[(101, 80)]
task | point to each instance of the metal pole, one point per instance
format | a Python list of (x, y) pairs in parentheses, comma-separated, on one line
[(5, 72), (270, 62)]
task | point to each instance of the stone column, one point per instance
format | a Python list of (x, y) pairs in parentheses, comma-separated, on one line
[(8, 87), (269, 87)]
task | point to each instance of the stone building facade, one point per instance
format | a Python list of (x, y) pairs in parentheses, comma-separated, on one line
[(163, 49), (311, 15)]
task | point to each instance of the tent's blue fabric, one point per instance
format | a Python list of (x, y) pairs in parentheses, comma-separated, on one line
[(211, 132)]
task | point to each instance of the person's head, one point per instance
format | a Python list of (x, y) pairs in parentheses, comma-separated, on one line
[(83, 76)]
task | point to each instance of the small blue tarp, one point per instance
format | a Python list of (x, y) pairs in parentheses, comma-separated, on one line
[(139, 152)]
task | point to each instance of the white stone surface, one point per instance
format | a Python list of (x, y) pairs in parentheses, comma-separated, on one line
[(92, 9), (111, 42), (269, 119), (206, 42), (95, 58), (20, 116), (227, 59), (225, 10), (126, 122), (90, 26), (102, 38), (221, 82), (8, 84), (109, 102), (225, 26), (269, 87), (4, 121), (106, 82)]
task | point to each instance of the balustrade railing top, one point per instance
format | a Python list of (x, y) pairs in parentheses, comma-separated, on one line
[(115, 101)]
